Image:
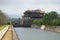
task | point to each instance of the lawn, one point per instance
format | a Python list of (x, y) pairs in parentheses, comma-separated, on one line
[(2, 27)]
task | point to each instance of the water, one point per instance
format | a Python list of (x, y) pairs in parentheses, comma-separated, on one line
[(36, 34)]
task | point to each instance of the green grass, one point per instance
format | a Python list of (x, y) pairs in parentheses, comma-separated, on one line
[(2, 27)]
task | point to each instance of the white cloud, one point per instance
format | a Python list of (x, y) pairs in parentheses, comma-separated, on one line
[(17, 7)]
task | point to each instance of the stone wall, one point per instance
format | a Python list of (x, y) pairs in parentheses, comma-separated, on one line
[(48, 28), (53, 28), (35, 26)]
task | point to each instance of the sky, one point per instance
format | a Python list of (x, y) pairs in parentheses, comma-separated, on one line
[(16, 8)]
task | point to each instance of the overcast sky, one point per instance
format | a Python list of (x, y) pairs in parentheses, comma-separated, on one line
[(15, 8)]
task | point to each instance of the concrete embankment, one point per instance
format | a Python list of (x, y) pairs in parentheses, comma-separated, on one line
[(15, 36), (53, 28), (48, 28), (10, 34)]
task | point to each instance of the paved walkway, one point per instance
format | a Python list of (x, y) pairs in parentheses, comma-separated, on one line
[(2, 32), (8, 35)]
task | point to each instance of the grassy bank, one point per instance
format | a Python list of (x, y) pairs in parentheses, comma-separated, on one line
[(2, 27)]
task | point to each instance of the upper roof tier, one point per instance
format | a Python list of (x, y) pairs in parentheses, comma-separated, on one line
[(34, 13), (38, 11)]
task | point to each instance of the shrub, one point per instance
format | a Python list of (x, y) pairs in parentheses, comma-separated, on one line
[(37, 22)]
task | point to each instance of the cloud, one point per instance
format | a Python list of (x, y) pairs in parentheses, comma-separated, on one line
[(17, 7)]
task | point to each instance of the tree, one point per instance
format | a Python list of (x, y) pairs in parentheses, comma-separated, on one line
[(48, 17), (52, 15), (3, 18), (55, 22)]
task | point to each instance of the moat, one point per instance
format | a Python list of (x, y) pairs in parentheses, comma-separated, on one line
[(36, 34)]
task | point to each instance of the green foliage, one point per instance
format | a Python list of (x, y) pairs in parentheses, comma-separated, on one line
[(37, 22), (56, 22), (50, 18), (50, 15), (15, 21), (2, 27)]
